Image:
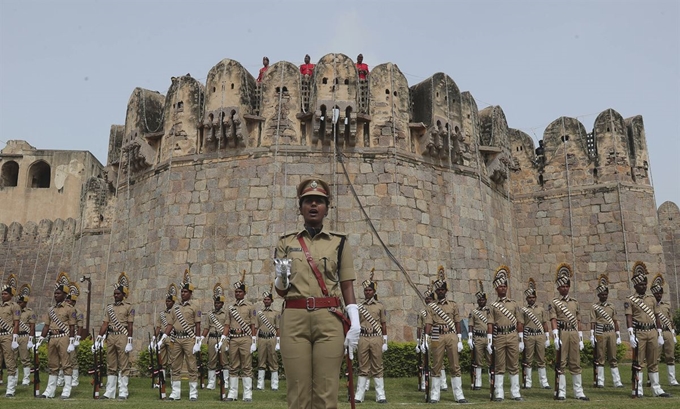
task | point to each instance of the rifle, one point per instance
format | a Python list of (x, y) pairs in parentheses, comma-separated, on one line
[(350, 380), (426, 372), (152, 367), (595, 361), (558, 366), (96, 375), (473, 364), (636, 368), (492, 371), (199, 364), (220, 377), (525, 365), (36, 371), (420, 370)]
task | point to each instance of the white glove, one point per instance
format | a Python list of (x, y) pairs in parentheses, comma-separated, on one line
[(352, 337), (39, 341), (489, 343), (15, 341), (128, 347), (661, 341), (592, 337), (471, 343), (161, 340), (618, 337), (580, 341), (253, 346), (99, 342), (631, 338), (547, 339), (282, 268), (30, 343), (460, 342), (426, 343), (675, 340), (76, 342), (521, 341), (70, 347), (556, 339), (384, 345), (418, 345), (277, 347), (152, 344), (218, 346), (197, 345)]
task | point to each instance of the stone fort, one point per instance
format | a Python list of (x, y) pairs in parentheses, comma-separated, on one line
[(203, 177)]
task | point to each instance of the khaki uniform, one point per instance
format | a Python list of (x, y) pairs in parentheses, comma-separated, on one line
[(571, 353), (369, 351), (164, 352), (448, 340), (478, 320), (117, 360), (534, 334), (73, 356), (505, 338), (645, 329), (27, 318), (666, 318), (266, 340), (216, 320), (9, 313), (57, 357), (605, 337), (240, 339), (182, 349), (312, 341)]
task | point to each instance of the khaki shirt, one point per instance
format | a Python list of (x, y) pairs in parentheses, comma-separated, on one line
[(665, 315), (191, 313), (597, 318), (323, 248), (475, 321), (65, 313), (539, 313), (123, 312), (638, 314), (9, 312), (220, 317), (376, 310), (496, 317), (80, 319), (28, 317), (450, 308), (272, 316), (559, 315), (420, 320), (247, 313)]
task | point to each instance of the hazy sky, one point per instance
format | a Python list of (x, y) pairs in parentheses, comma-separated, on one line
[(67, 68)]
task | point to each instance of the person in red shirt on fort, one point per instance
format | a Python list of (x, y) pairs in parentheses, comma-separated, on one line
[(361, 67), (265, 63), (307, 68)]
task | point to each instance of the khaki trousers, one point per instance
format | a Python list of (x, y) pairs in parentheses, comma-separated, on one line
[(240, 358), (164, 354), (534, 349), (447, 343), (8, 354), (668, 347), (312, 344), (571, 354), (213, 361), (606, 349), (370, 357), (57, 357), (23, 355), (182, 350), (481, 354), (506, 348), (648, 349), (116, 358), (266, 354)]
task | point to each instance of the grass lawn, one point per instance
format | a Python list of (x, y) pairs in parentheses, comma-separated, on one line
[(401, 393)]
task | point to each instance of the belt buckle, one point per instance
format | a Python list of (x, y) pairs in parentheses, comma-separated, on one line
[(311, 306)]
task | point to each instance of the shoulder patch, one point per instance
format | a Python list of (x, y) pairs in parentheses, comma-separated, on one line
[(132, 311), (199, 313), (550, 307), (626, 305)]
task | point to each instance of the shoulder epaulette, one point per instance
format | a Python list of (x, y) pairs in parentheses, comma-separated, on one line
[(335, 233), (289, 234)]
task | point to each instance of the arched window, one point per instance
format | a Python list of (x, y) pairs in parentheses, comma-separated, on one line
[(39, 175), (10, 174)]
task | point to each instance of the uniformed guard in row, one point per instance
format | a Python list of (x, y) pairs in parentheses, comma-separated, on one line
[(477, 341), (26, 331), (164, 350), (185, 320), (667, 327), (10, 313), (72, 298), (117, 331), (239, 334), (268, 341), (60, 328), (505, 333), (604, 333), (213, 331), (644, 328), (420, 333), (372, 342), (444, 315), (535, 327), (565, 317)]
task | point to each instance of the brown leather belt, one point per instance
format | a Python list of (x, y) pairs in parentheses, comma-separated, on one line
[(313, 303)]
